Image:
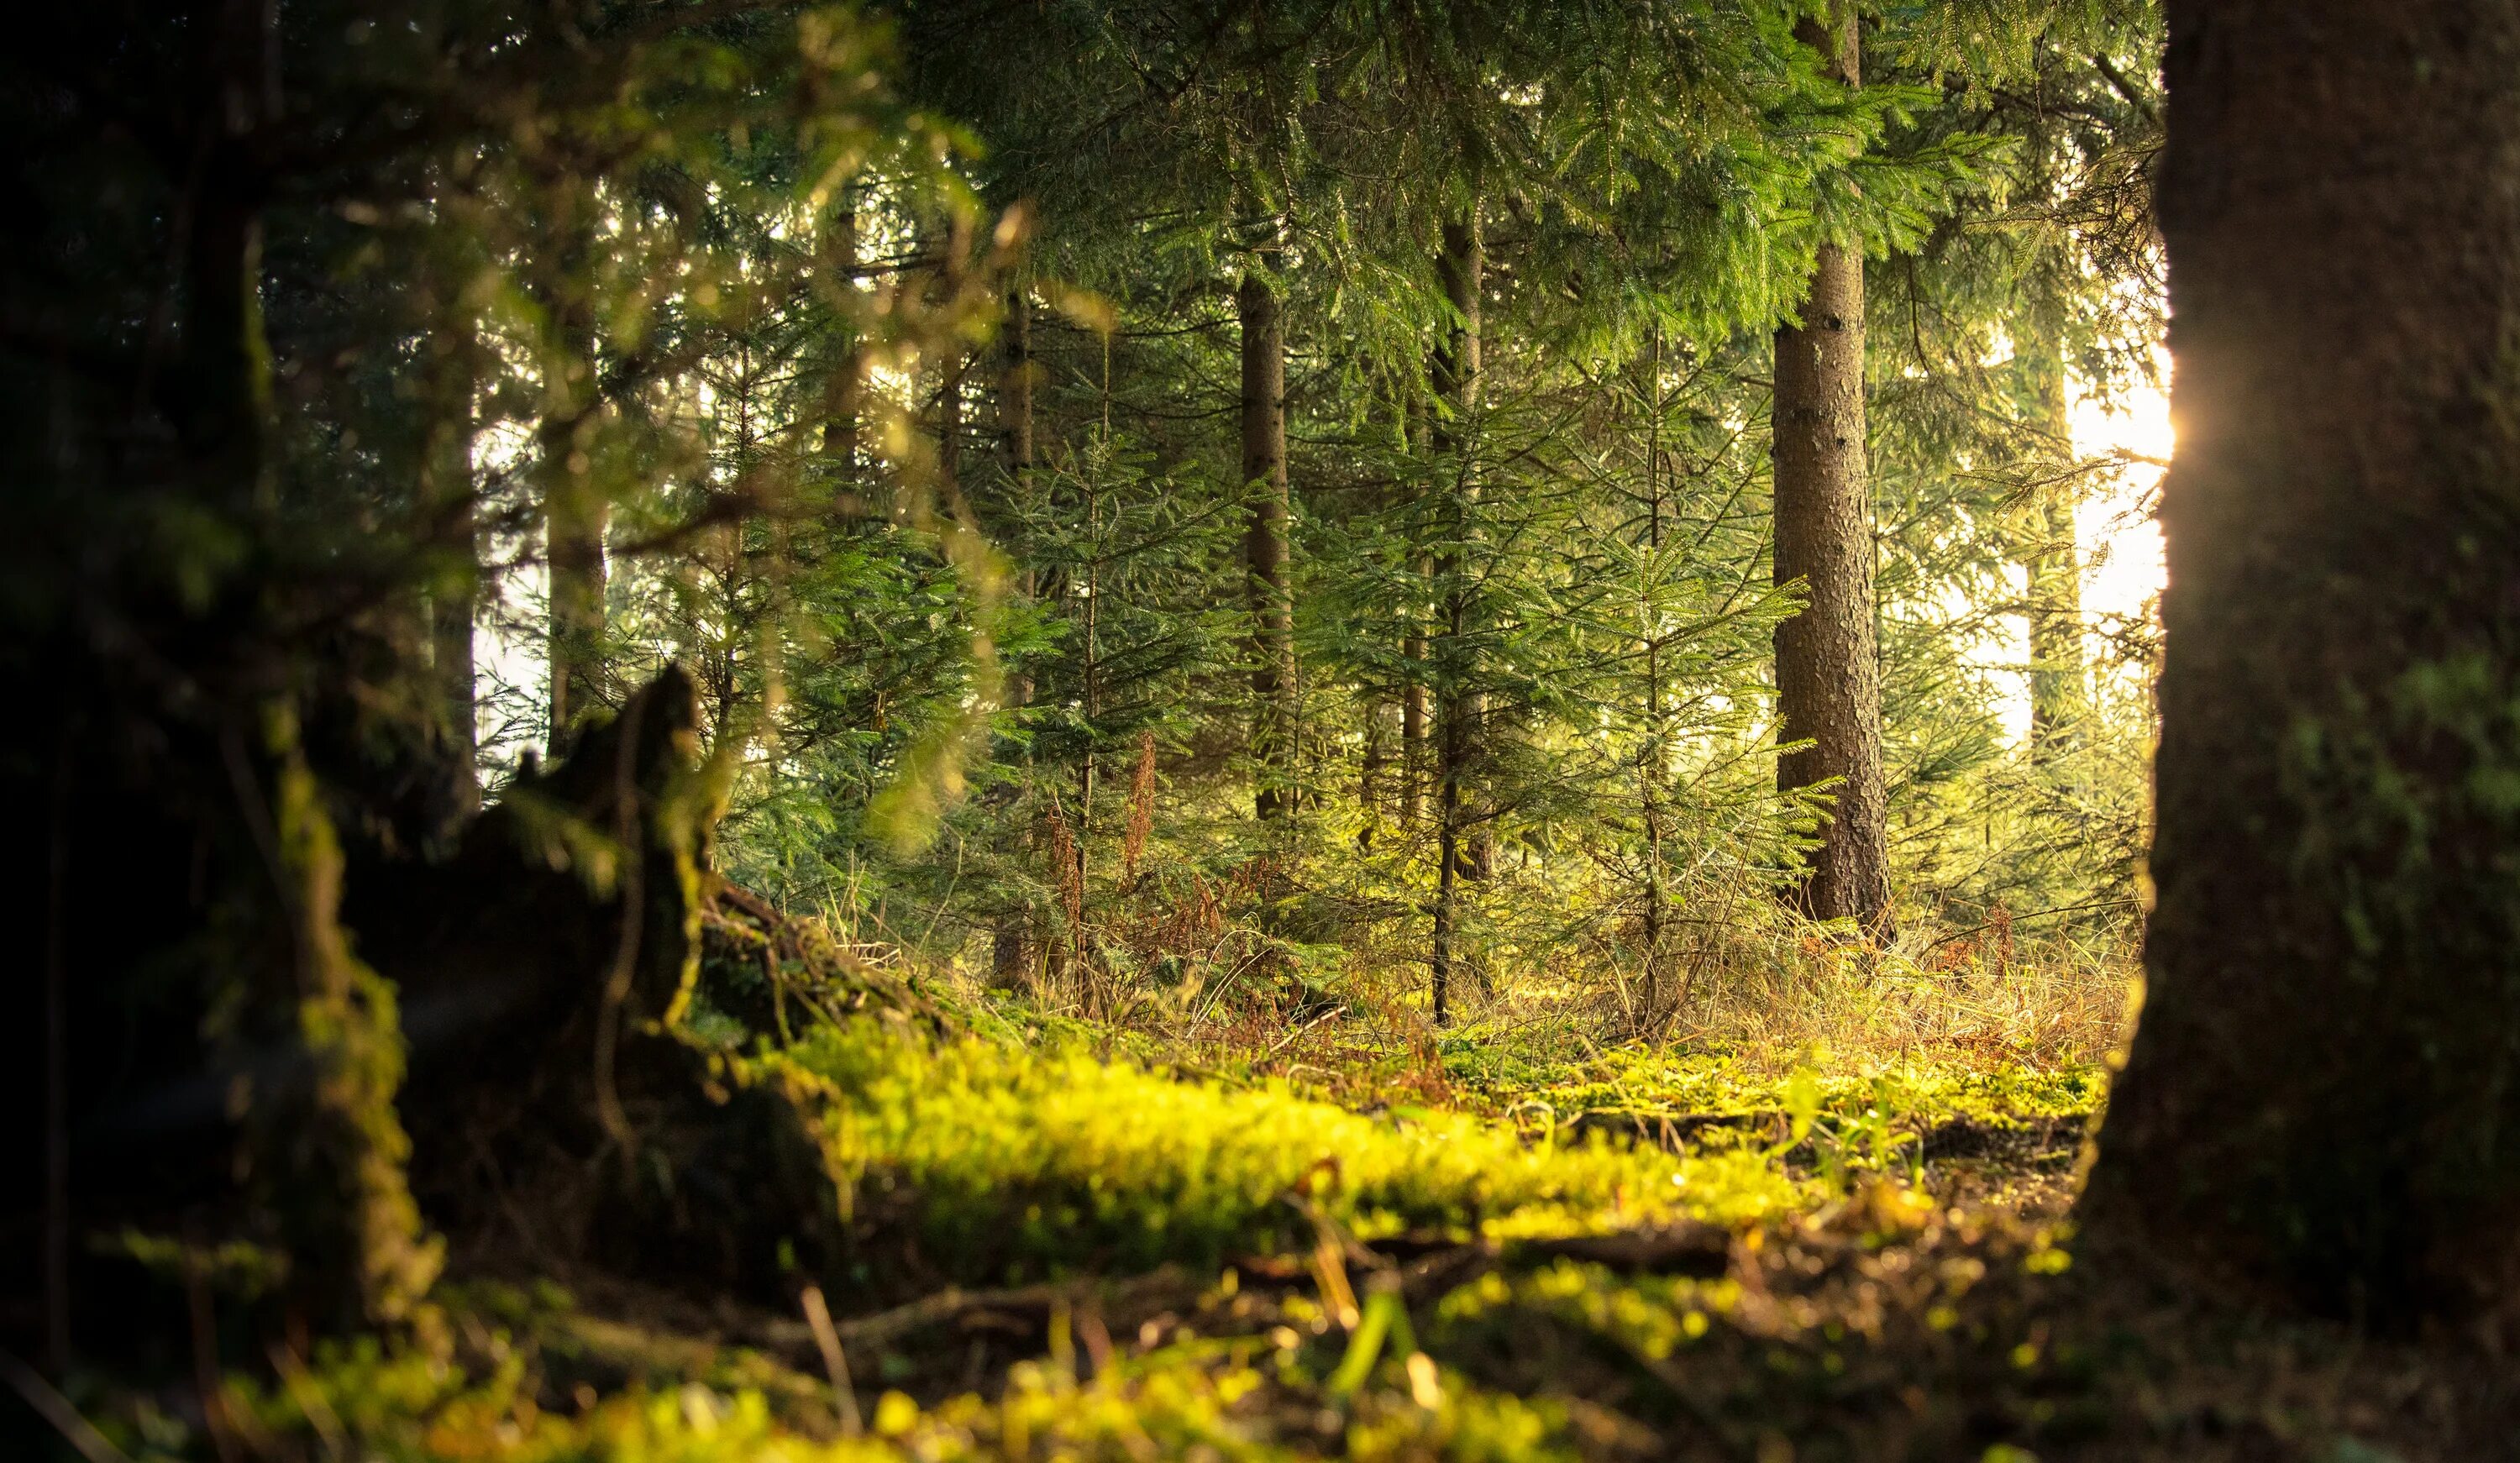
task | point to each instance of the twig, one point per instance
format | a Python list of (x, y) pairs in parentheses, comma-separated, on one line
[(818, 1314), (56, 1410)]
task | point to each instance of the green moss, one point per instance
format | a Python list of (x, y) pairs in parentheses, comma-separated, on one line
[(1005, 1161)]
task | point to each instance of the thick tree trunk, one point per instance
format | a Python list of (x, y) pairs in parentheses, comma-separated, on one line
[(2324, 1094), (2059, 689), (1828, 676), (1459, 836), (1274, 713)]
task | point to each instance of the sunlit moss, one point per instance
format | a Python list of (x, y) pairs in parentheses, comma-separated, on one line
[(1001, 1159)]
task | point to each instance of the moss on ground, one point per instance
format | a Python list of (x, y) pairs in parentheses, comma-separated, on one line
[(1216, 1266)]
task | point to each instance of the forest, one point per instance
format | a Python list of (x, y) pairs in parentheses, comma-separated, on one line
[(765, 729)]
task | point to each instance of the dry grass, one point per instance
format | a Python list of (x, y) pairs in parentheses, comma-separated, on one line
[(2056, 1003)]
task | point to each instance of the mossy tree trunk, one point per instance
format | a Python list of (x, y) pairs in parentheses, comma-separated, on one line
[(1828, 676), (2324, 1097)]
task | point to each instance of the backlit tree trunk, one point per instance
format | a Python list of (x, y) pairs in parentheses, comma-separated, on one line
[(1264, 474), (2059, 691), (1828, 676), (2324, 1097)]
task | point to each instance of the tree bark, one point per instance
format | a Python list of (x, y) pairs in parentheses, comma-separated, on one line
[(1273, 712), (2323, 1098), (1459, 709), (1828, 675)]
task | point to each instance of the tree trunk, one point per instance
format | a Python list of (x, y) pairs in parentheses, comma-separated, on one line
[(1274, 713), (1011, 958), (843, 383), (1015, 385), (1015, 388), (2059, 694), (575, 510), (949, 429), (1828, 676), (1414, 718), (1653, 757), (448, 490), (2324, 1097), (1458, 710)]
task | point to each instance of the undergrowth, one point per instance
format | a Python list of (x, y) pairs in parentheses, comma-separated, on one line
[(1267, 1194)]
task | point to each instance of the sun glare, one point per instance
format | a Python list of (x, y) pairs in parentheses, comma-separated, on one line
[(2123, 568)]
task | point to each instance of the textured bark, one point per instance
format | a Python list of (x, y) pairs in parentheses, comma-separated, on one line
[(1459, 835), (2059, 686), (2324, 1097), (1828, 675), (1274, 713)]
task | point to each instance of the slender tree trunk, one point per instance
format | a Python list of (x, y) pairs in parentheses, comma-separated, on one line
[(844, 382), (1011, 958), (1654, 756), (1828, 676), (2324, 1095), (2059, 693), (1414, 718), (948, 428), (447, 487), (1015, 385), (1458, 710), (1016, 390), (1274, 713), (575, 510)]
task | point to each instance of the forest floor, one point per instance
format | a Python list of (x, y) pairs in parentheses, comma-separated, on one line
[(1323, 1236)]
